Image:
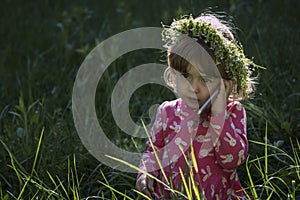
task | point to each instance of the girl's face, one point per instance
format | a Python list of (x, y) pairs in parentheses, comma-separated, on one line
[(193, 87)]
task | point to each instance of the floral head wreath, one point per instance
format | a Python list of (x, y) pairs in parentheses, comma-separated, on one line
[(237, 66)]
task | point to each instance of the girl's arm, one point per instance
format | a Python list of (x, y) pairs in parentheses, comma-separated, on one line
[(229, 136), (149, 162)]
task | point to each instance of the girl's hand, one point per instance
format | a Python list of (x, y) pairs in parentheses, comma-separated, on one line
[(144, 184), (228, 87), (219, 103)]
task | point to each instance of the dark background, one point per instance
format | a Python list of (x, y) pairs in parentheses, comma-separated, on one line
[(43, 44)]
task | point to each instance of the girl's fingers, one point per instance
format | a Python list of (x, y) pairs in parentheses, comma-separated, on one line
[(145, 185), (146, 192), (228, 87)]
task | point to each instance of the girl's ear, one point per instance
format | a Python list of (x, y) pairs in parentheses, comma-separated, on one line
[(169, 77)]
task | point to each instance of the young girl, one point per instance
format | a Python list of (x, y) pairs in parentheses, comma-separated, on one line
[(199, 140)]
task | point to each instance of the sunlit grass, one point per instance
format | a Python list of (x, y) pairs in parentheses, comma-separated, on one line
[(268, 184)]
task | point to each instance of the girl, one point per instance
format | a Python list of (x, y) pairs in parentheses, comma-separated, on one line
[(195, 152)]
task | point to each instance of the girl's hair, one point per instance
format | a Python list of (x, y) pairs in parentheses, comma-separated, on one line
[(180, 64)]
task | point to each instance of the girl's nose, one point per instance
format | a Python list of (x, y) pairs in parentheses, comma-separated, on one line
[(196, 86)]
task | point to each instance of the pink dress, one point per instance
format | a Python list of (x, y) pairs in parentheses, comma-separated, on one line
[(219, 143)]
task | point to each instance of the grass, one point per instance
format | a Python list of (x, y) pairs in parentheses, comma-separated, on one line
[(282, 184), (43, 44)]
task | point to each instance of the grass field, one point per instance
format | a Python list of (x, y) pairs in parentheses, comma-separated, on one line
[(43, 44)]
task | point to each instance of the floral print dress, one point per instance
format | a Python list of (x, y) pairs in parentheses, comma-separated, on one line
[(219, 144)]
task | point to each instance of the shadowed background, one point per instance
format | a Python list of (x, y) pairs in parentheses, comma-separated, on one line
[(43, 44)]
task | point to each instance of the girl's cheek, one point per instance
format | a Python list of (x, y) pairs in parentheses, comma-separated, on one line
[(182, 84)]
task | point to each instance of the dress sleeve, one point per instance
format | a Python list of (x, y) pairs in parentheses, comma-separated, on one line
[(230, 136), (149, 162)]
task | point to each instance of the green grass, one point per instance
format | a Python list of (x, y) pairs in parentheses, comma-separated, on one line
[(271, 182), (43, 44)]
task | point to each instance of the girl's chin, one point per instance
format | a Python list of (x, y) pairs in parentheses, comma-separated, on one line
[(194, 104)]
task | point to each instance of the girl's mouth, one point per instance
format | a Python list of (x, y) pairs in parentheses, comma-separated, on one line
[(194, 100)]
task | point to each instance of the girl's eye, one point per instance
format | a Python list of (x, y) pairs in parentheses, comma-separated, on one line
[(205, 80), (187, 76)]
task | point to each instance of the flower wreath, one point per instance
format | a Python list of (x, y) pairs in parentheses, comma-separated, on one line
[(237, 66)]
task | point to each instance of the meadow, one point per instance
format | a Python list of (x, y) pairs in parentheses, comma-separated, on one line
[(43, 44)]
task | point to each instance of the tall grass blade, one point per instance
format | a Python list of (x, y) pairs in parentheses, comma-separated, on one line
[(252, 186), (114, 190), (37, 151), (195, 164), (54, 183), (137, 169), (13, 162), (266, 152), (107, 183), (63, 187), (155, 153), (145, 172), (189, 197), (23, 188), (142, 194)]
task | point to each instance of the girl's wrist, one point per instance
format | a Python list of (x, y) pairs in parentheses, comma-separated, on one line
[(218, 113), (218, 109)]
